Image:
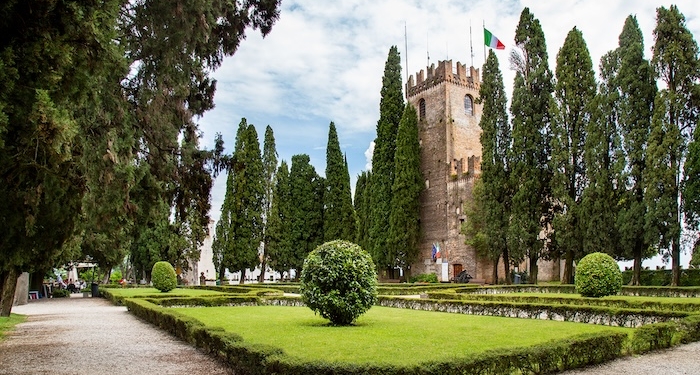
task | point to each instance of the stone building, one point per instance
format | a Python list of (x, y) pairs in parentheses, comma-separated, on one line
[(445, 98)]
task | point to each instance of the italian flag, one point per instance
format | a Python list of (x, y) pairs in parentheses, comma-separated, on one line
[(491, 41)]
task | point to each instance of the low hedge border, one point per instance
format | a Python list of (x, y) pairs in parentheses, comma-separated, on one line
[(692, 307), (617, 317), (641, 291), (250, 358), (235, 293)]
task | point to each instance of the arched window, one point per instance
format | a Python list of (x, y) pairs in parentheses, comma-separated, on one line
[(421, 109), (468, 105)]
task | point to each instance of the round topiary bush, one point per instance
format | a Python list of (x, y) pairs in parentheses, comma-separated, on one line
[(339, 281), (163, 276), (598, 275)]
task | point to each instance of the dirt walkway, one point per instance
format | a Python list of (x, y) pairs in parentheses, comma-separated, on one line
[(92, 336)]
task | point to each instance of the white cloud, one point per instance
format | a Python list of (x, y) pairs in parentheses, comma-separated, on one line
[(368, 156)]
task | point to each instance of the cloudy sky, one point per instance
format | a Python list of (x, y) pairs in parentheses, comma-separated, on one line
[(324, 61)]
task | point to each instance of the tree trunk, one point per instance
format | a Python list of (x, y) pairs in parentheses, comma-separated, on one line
[(9, 284), (637, 267), (494, 274), (261, 279), (222, 275), (676, 263), (568, 277), (242, 280), (533, 269), (506, 267)]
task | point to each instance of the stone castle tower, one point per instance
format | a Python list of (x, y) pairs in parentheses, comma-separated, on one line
[(445, 99)]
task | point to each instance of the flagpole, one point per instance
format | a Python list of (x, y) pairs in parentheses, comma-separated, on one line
[(471, 44), (405, 38), (484, 28), (427, 50)]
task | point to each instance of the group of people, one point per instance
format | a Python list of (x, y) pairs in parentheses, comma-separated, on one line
[(72, 286)]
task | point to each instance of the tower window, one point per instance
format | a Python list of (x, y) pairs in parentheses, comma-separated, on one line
[(468, 105), (421, 109)]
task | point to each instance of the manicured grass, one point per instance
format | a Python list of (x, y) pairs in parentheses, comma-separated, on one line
[(8, 323), (177, 292), (384, 335)]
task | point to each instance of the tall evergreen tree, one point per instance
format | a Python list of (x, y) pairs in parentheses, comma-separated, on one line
[(269, 160), (306, 210), (637, 89), (278, 231), (675, 62), (604, 163), (339, 220), (492, 201), (48, 94), (575, 90), (530, 107), (240, 228), (362, 208), (404, 217), (390, 111)]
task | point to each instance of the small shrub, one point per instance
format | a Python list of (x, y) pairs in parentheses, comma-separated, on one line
[(424, 278), (60, 293), (339, 281), (598, 275), (163, 276)]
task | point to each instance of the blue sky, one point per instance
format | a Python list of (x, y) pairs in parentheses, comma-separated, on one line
[(324, 61)]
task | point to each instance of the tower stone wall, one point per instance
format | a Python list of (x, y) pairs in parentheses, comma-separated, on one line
[(445, 99)]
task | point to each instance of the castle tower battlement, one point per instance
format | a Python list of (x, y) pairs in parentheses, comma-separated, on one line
[(445, 72)]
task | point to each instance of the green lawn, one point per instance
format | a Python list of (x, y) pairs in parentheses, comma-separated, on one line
[(384, 335), (8, 323), (177, 292)]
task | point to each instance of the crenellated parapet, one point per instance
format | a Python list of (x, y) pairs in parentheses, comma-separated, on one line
[(444, 72)]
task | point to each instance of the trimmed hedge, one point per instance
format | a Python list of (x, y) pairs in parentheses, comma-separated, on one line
[(163, 276), (690, 306), (689, 277), (598, 275), (569, 313), (645, 291), (339, 281)]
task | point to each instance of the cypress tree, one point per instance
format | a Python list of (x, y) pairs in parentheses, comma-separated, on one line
[(339, 221), (362, 209), (492, 199), (604, 163), (305, 211), (530, 108), (574, 93), (240, 228), (675, 62), (390, 111), (279, 249), (637, 89), (404, 218), (269, 160)]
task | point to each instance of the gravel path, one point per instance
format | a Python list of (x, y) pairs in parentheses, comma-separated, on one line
[(680, 360), (91, 336)]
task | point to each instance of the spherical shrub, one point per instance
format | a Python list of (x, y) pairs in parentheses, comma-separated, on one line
[(163, 276), (598, 275), (339, 281)]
